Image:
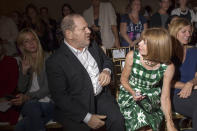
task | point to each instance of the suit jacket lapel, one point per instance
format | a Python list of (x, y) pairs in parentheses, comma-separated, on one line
[(71, 57)]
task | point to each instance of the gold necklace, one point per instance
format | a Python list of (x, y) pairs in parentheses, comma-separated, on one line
[(149, 63)]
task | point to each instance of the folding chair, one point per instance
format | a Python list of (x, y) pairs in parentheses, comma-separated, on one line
[(117, 53)]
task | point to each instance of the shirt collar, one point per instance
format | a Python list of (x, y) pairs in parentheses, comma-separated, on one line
[(74, 50)]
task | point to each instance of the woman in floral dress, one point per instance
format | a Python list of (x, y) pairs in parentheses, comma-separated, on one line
[(141, 95)]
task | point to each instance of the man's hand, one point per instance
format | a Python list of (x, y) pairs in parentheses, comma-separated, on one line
[(96, 121), (186, 90), (104, 78)]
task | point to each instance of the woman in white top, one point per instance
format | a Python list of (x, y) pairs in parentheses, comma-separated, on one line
[(184, 11)]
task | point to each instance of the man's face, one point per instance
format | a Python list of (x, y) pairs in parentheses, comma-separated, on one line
[(165, 4), (44, 12), (81, 33)]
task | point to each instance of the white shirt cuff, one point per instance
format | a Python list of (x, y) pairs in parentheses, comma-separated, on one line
[(87, 118), (107, 69)]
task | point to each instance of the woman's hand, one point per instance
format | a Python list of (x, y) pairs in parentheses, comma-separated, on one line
[(170, 126), (25, 65), (137, 96), (20, 99), (186, 90)]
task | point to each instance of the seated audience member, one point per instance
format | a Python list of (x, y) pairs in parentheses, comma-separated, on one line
[(78, 75), (132, 24), (35, 22), (8, 84), (51, 25), (101, 17), (17, 18), (184, 11), (8, 35), (148, 12), (159, 18), (141, 99), (185, 94), (66, 10), (170, 19), (34, 97)]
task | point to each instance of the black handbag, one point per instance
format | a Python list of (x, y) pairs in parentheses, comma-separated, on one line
[(147, 105)]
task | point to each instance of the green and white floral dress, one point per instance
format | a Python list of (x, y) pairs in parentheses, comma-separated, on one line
[(146, 82)]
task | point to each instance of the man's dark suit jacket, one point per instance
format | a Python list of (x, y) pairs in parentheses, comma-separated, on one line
[(70, 85)]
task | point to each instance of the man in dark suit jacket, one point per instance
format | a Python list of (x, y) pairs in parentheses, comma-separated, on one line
[(78, 75)]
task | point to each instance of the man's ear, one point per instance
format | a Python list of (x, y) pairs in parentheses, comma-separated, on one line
[(68, 34)]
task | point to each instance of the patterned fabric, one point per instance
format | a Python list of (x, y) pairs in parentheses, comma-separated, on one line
[(133, 30), (146, 82)]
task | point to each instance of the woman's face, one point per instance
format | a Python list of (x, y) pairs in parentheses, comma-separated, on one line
[(66, 11), (183, 2), (143, 48), (30, 43), (31, 13), (136, 5), (165, 4), (184, 34)]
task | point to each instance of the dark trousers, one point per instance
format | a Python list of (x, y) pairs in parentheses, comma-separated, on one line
[(35, 116), (106, 105), (187, 107)]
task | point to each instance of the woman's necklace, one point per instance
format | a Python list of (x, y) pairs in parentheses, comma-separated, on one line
[(149, 63), (135, 20), (183, 11)]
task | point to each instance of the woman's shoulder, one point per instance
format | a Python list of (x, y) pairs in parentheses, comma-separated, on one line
[(192, 51), (130, 55), (125, 16), (175, 11), (10, 60), (142, 18), (133, 54)]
